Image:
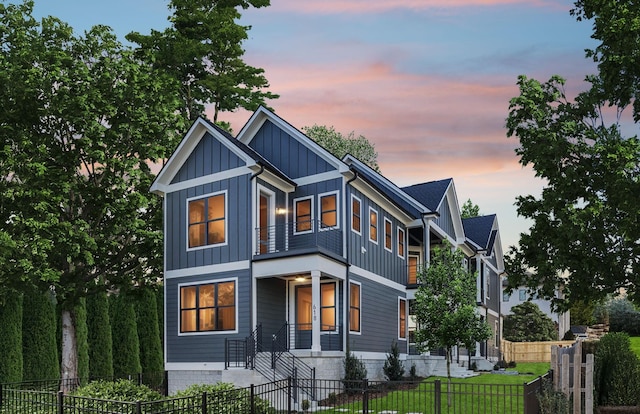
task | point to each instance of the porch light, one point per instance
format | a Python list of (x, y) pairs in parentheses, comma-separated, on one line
[(281, 211), (300, 279)]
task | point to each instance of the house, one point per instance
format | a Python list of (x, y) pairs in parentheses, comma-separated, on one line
[(280, 255)]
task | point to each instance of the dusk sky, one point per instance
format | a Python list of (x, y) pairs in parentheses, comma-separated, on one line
[(427, 81)]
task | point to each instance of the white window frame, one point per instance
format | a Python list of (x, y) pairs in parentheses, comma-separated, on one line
[(505, 295), (353, 197), (208, 282), (371, 209), (385, 221), (487, 275), (295, 215), (404, 242), (406, 316), (522, 295), (351, 282), (226, 220), (319, 220)]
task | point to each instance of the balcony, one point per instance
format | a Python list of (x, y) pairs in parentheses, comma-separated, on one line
[(296, 238)]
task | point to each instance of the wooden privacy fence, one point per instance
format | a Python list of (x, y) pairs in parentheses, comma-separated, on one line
[(530, 351), (573, 376)]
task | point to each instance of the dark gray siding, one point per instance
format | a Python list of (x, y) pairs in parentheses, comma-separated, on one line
[(209, 157), (287, 153), (272, 307), (238, 226), (493, 302), (445, 221), (204, 347), (376, 258), (379, 317)]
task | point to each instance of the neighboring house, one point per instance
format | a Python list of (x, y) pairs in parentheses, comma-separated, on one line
[(278, 253), (522, 294)]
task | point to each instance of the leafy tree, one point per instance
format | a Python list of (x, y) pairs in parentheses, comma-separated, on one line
[(39, 345), (124, 332), (11, 338), (393, 368), (585, 229), (81, 119), (99, 336), (151, 357), (203, 50), (527, 323), (445, 304), (469, 209), (583, 312), (340, 145)]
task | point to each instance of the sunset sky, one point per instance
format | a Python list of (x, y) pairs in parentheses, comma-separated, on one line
[(427, 81)]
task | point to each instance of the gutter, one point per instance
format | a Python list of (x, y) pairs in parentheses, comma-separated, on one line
[(348, 267)]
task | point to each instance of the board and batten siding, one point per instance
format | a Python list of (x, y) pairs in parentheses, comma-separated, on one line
[(379, 317), (287, 153), (237, 247), (445, 221), (271, 307), (209, 157), (204, 347)]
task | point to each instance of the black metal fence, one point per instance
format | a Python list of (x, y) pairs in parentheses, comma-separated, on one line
[(327, 396)]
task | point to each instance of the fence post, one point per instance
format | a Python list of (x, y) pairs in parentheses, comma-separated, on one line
[(226, 352), (1, 394), (577, 380), (253, 399), (437, 396), (139, 379), (166, 383), (365, 396), (60, 402), (138, 407), (289, 394), (588, 386)]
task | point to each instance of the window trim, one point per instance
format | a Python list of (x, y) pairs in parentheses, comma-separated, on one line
[(354, 198), (335, 308), (402, 318), (505, 295), (409, 257), (320, 211), (402, 242), (522, 293), (358, 332), (373, 210), (295, 215), (388, 235), (226, 220), (201, 283)]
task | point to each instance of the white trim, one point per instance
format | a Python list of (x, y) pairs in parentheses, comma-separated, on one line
[(295, 215), (377, 278), (385, 221), (271, 213), (492, 312), (202, 270), (296, 265), (194, 366), (360, 307), (406, 318), (371, 209), (404, 242), (319, 219), (318, 178), (205, 179), (209, 282), (353, 197), (367, 356), (226, 220)]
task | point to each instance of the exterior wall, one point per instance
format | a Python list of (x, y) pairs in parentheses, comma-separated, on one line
[(204, 347), (545, 306), (272, 307), (445, 221)]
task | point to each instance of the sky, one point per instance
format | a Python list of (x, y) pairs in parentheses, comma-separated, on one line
[(428, 82)]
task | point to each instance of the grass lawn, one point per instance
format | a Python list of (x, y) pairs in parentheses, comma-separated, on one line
[(534, 368), (635, 345)]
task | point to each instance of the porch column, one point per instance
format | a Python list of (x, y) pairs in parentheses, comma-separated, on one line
[(315, 309)]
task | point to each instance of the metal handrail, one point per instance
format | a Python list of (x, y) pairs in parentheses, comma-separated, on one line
[(299, 235)]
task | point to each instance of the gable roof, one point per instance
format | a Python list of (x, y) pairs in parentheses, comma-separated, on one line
[(430, 194), (480, 231)]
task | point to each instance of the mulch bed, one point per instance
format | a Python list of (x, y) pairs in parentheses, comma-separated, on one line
[(374, 391)]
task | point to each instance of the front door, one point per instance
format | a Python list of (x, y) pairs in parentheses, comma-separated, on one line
[(266, 222), (304, 315)]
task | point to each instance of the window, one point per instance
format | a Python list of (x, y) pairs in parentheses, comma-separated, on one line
[(354, 307), (496, 338), (387, 234), (303, 211), (522, 295), (400, 242), (505, 296), (413, 270), (356, 214), (328, 211), (207, 222), (402, 318), (487, 278), (328, 306), (373, 225), (208, 307)]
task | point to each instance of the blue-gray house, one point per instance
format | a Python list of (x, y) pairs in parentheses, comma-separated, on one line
[(278, 253)]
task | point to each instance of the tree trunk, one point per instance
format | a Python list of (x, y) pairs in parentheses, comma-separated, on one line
[(449, 376), (69, 365)]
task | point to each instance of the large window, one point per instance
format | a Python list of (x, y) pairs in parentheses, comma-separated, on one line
[(387, 234), (328, 210), (207, 221), (328, 306), (373, 225), (208, 307), (400, 242), (402, 318), (413, 270), (356, 214), (354, 307), (303, 211)]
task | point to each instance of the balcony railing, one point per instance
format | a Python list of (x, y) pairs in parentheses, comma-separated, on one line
[(298, 236)]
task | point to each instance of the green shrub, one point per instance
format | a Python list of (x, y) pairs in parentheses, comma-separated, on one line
[(393, 368), (113, 396), (39, 345), (354, 372), (124, 333), (223, 397), (616, 372), (552, 402), (151, 357), (99, 337), (11, 338)]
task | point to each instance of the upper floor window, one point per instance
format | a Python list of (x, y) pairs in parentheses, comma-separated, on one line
[(207, 220), (413, 270), (402, 318), (387, 234), (328, 210), (522, 295), (356, 214), (354, 307), (373, 225), (505, 296), (303, 212), (400, 242), (208, 307)]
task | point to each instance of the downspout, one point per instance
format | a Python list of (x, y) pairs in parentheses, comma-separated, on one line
[(347, 288), (254, 297)]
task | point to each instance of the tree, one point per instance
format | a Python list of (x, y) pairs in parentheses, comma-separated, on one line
[(527, 323), (151, 356), (99, 337), (11, 338), (203, 50), (445, 304), (469, 209), (39, 345), (393, 368), (81, 119), (585, 230), (341, 145), (124, 332)]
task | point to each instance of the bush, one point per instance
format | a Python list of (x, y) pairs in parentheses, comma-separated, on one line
[(115, 391), (623, 317), (393, 368), (11, 338), (354, 372), (223, 397), (616, 372), (552, 402)]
